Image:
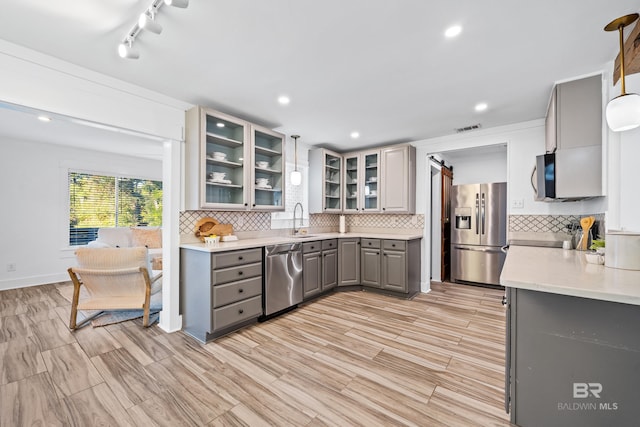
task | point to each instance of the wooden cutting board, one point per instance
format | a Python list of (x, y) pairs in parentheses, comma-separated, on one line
[(210, 226)]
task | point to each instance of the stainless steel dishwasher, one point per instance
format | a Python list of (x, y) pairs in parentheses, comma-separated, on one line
[(283, 277)]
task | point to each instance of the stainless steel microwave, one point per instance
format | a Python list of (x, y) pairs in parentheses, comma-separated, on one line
[(568, 175)]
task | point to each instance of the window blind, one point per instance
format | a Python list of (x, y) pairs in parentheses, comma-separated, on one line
[(97, 201)]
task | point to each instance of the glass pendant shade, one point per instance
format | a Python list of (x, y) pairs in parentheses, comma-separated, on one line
[(623, 112), (296, 178)]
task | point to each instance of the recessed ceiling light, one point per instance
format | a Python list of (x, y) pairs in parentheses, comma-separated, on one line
[(453, 31), (355, 135), (44, 118), (481, 106), (283, 100), (220, 124)]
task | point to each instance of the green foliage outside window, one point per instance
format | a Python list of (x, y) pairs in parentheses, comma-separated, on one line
[(107, 201)]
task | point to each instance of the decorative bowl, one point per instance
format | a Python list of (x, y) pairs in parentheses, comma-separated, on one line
[(594, 258)]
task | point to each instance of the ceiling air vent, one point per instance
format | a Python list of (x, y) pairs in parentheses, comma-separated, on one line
[(468, 128)]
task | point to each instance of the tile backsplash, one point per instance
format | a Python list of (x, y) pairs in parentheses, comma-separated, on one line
[(241, 221), (547, 223), (261, 221)]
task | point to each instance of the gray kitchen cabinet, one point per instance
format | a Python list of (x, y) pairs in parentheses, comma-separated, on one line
[(349, 262), (320, 267), (219, 292), (398, 179), (571, 361), (325, 181), (361, 182), (232, 164), (372, 181), (311, 273), (370, 263), (574, 115), (394, 271), (329, 269)]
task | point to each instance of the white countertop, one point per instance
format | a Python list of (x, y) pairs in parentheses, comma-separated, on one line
[(566, 272), (267, 241)]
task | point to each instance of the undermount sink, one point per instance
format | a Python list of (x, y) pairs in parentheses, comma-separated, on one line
[(303, 236)]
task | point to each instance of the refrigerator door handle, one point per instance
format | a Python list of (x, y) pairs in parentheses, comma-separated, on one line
[(496, 249), (477, 213), (483, 208)]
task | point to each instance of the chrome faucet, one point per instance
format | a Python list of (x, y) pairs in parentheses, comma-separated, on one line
[(295, 208)]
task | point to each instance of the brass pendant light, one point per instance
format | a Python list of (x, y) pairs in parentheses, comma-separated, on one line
[(623, 111)]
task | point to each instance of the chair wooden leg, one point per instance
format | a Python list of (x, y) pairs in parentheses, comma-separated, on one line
[(74, 300), (147, 297)]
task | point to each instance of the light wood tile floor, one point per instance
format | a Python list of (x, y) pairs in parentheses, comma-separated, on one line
[(350, 358)]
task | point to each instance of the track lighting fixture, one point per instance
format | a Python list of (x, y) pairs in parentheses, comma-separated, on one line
[(177, 3), (147, 21), (126, 51)]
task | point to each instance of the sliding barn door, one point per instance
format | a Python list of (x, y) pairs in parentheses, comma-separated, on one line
[(445, 221)]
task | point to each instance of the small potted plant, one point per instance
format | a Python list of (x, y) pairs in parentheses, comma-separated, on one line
[(598, 246)]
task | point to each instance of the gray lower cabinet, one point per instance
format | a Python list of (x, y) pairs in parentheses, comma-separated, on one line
[(370, 263), (349, 262), (329, 269), (571, 361), (320, 267), (311, 273), (392, 265), (219, 292)]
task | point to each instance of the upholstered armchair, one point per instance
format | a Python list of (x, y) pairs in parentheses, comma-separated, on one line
[(115, 279)]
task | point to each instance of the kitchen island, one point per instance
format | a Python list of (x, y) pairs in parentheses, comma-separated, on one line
[(573, 340)]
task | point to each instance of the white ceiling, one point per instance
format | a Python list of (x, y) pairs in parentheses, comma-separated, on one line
[(380, 67)]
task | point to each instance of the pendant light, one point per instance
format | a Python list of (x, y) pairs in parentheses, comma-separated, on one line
[(296, 176), (623, 111)]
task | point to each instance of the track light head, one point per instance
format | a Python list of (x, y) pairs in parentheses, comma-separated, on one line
[(126, 51), (177, 3), (146, 22)]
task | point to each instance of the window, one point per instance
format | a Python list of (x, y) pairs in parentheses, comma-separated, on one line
[(110, 201)]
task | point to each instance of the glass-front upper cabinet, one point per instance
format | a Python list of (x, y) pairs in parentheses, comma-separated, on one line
[(268, 171), (370, 177), (224, 161), (332, 182), (351, 184)]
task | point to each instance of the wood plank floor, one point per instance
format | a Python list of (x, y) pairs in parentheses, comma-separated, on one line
[(350, 358)]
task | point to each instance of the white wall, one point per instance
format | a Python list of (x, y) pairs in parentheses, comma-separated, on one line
[(477, 168), (34, 219)]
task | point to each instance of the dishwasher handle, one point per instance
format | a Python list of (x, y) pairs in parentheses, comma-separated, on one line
[(282, 249)]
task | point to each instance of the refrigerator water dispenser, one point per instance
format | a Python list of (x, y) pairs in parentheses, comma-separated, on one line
[(463, 218)]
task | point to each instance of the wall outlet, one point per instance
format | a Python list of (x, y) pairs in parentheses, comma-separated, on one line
[(517, 203), (11, 266), (414, 220)]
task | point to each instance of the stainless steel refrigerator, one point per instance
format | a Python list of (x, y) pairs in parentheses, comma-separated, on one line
[(478, 232)]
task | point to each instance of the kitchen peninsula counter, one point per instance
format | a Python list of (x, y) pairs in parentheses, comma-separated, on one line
[(566, 272), (572, 342)]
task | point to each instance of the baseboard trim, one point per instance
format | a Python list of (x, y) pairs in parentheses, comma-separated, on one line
[(24, 282)]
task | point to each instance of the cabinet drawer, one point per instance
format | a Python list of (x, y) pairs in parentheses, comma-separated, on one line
[(229, 259), (237, 312), (396, 245), (236, 291), (232, 274), (370, 243), (311, 247), (330, 244)]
